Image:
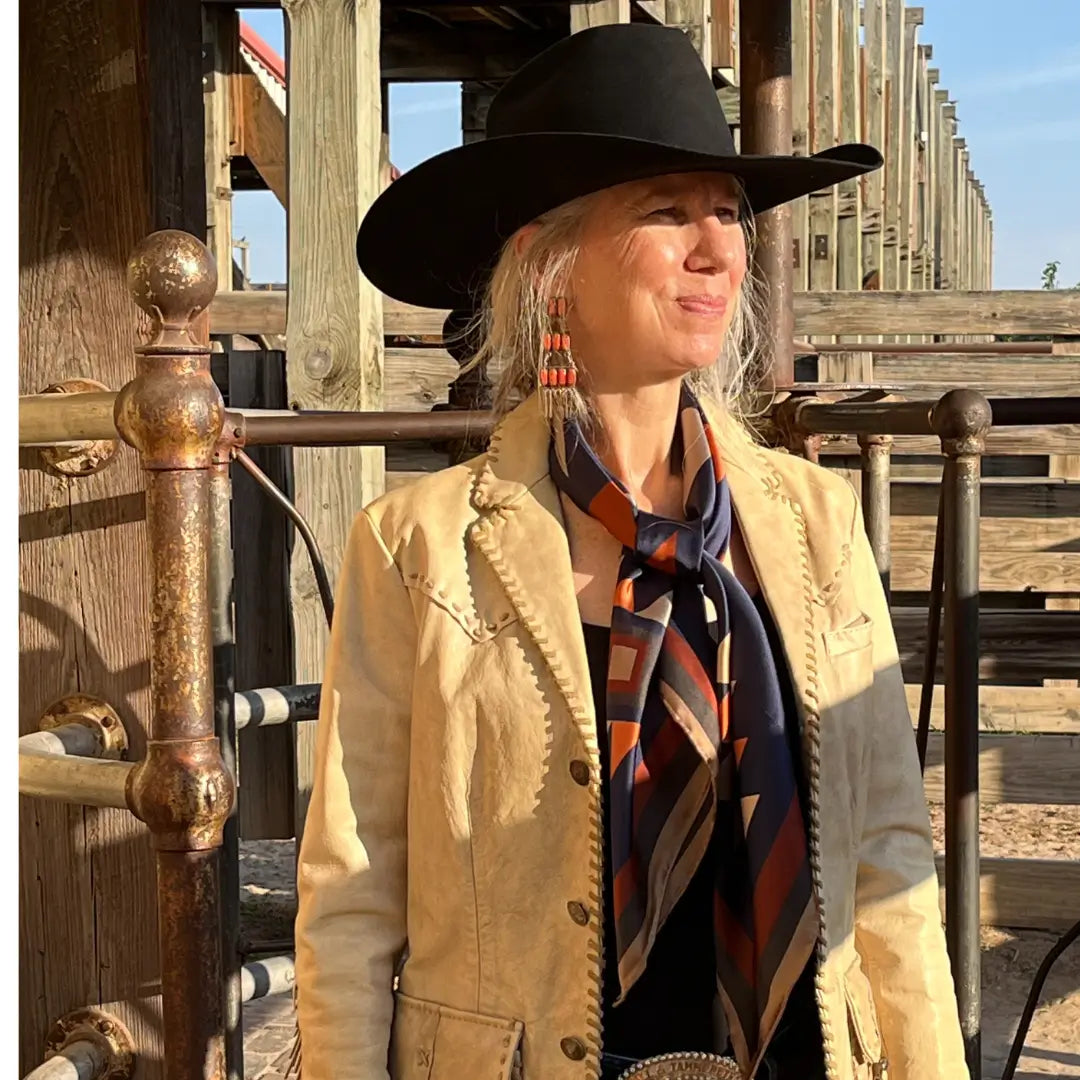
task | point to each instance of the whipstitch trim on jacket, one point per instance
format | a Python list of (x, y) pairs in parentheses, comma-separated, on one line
[(481, 533), (811, 707)]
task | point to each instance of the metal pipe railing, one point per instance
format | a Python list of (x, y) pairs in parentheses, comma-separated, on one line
[(77, 780), (84, 1059), (276, 705)]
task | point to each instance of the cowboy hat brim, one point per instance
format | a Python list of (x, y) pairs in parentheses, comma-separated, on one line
[(433, 235)]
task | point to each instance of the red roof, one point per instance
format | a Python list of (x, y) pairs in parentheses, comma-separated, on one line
[(262, 52)]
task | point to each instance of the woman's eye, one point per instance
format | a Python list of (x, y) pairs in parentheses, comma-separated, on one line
[(666, 212), (727, 213)]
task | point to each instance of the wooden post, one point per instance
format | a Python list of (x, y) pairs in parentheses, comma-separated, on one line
[(694, 18), (110, 147), (725, 38), (823, 132), (874, 113), (598, 13), (849, 204), (221, 27), (913, 18), (895, 151), (930, 165), (475, 102), (800, 137), (765, 119), (948, 197), (334, 321)]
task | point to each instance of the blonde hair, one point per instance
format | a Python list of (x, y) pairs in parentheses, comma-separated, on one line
[(512, 321)]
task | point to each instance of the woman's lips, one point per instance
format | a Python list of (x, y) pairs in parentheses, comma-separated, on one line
[(712, 306)]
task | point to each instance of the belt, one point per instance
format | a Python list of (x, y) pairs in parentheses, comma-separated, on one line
[(694, 1065)]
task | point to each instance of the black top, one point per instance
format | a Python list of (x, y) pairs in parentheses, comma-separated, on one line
[(674, 1006)]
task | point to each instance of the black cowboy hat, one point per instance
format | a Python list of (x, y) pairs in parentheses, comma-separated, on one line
[(599, 108)]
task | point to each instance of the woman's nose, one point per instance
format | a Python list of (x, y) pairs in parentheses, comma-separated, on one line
[(716, 247)]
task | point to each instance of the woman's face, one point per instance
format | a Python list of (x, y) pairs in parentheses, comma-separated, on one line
[(656, 281)]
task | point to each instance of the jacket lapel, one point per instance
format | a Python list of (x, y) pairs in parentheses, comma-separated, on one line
[(773, 530), (522, 535)]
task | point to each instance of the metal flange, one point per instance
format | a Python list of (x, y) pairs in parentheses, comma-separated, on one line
[(97, 1026), (83, 458), (93, 713)]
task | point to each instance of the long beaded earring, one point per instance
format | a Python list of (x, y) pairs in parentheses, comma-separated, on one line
[(558, 372)]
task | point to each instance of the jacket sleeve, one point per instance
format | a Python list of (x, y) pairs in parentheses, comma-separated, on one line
[(351, 874), (898, 928)]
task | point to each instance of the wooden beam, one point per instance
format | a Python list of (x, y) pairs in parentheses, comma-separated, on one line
[(264, 135), (1040, 769), (1014, 646), (1037, 894), (824, 58), (1045, 572), (89, 191), (801, 95), (1025, 710), (598, 13), (725, 34), (483, 53), (221, 36), (874, 124), (895, 150), (694, 18), (335, 338), (849, 272), (908, 140)]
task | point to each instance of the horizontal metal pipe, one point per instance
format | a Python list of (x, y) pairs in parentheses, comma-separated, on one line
[(83, 1059), (363, 428), (56, 419), (81, 781), (272, 975), (1049, 410), (863, 417), (936, 348), (276, 705), (74, 740)]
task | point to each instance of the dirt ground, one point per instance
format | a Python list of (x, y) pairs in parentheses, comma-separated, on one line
[(1010, 958)]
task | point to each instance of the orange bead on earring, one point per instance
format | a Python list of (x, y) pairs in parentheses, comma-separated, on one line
[(558, 372)]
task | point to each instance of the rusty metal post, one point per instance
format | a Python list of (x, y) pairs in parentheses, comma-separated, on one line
[(961, 420), (875, 451), (172, 414), (224, 646), (765, 128)]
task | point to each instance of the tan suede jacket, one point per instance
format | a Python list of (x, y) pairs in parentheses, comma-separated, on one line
[(454, 832)]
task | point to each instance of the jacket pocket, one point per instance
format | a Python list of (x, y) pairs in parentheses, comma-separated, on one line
[(856, 635), (863, 1030), (429, 1041)]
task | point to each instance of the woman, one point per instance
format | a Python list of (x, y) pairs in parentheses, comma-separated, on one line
[(614, 758)]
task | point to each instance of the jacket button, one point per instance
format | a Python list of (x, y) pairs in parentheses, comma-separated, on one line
[(578, 912), (573, 1048), (579, 770)]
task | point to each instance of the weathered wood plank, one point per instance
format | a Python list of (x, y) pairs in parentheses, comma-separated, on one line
[(693, 18), (261, 602), (264, 135), (221, 34), (894, 150), (598, 13), (873, 186), (1038, 894), (335, 342), (1039, 769), (946, 371), (909, 137), (1018, 570), (1024, 440), (849, 271), (87, 919), (824, 56), (801, 67), (1014, 646), (998, 312), (1025, 710), (1004, 498)]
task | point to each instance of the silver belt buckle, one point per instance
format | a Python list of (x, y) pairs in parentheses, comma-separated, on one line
[(695, 1065)]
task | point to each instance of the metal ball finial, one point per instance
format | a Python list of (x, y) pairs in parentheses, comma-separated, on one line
[(171, 275)]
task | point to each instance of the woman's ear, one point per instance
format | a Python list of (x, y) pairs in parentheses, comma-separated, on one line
[(524, 237)]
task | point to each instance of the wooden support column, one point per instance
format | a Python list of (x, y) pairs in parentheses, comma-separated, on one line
[(694, 18), (824, 59), (801, 94), (895, 151), (930, 208), (948, 195), (334, 320), (110, 148), (849, 204), (765, 119), (475, 102), (913, 18), (874, 127), (221, 37), (598, 13), (725, 38), (921, 129)]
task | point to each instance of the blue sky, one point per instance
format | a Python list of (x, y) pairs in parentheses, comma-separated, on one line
[(1013, 70)]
